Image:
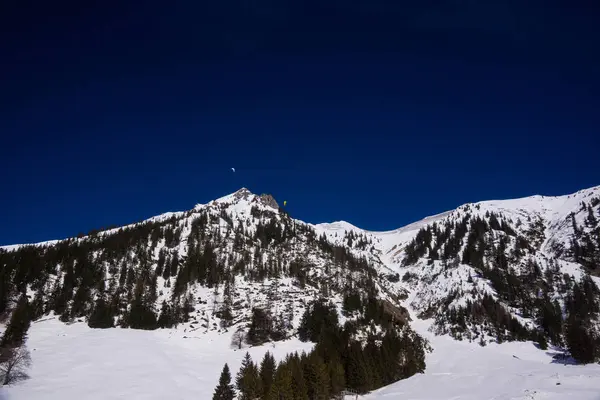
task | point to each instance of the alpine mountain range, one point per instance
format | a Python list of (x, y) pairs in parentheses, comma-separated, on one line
[(243, 268)]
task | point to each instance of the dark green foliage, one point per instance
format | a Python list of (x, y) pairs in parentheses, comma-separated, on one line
[(248, 380), (4, 285), (419, 246), (317, 317), (351, 303), (583, 305), (336, 362), (316, 376), (580, 340), (101, 316), (167, 318), (16, 331), (267, 374), (337, 376), (37, 307), (549, 318), (140, 315), (260, 327), (500, 323), (282, 383), (358, 375), (298, 381), (224, 390)]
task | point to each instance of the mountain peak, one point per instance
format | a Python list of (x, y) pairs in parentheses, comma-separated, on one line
[(241, 194), (244, 194)]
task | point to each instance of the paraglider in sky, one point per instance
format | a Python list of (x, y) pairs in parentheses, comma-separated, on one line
[(233, 169), (284, 202)]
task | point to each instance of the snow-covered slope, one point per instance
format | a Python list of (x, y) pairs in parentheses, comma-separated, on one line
[(483, 272), (508, 371), (558, 236)]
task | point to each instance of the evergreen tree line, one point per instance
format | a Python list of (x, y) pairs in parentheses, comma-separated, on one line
[(443, 241), (575, 331), (14, 357), (337, 362), (585, 245)]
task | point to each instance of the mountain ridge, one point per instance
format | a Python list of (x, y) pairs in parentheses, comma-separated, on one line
[(243, 191)]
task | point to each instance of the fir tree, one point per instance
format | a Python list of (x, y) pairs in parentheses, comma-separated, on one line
[(260, 327), (282, 384), (267, 373), (37, 305), (224, 390), (580, 340), (166, 318), (298, 381), (16, 331), (357, 375), (4, 289), (337, 376), (316, 377), (248, 380), (101, 316)]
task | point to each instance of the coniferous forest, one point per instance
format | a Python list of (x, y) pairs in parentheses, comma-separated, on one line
[(337, 363), (563, 307)]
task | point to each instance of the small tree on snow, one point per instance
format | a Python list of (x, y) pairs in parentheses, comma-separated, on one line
[(14, 362), (238, 338), (224, 391)]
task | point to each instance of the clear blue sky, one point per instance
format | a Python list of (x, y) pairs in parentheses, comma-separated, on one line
[(378, 113)]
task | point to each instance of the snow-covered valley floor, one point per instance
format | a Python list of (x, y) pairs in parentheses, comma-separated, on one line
[(75, 362), (72, 362)]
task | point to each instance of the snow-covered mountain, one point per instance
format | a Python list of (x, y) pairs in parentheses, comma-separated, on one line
[(492, 271), (497, 267), (203, 270)]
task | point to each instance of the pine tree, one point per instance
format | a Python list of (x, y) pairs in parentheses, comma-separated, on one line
[(166, 318), (267, 373), (141, 315), (248, 380), (282, 384), (591, 218), (260, 327), (225, 313), (357, 376), (224, 391), (298, 381), (4, 289), (316, 376), (16, 331), (337, 377), (101, 316), (37, 305), (580, 340)]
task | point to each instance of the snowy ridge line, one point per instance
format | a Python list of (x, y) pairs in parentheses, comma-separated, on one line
[(332, 226)]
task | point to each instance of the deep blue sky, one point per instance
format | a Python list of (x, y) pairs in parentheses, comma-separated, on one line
[(378, 113)]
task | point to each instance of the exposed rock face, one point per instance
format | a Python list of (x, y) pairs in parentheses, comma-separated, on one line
[(243, 193), (268, 200)]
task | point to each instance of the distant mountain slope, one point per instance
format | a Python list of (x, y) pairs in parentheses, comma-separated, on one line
[(507, 269), (500, 270)]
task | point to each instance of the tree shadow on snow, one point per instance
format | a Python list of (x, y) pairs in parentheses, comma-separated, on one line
[(561, 357)]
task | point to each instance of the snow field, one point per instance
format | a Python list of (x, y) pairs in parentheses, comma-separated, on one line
[(75, 362)]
